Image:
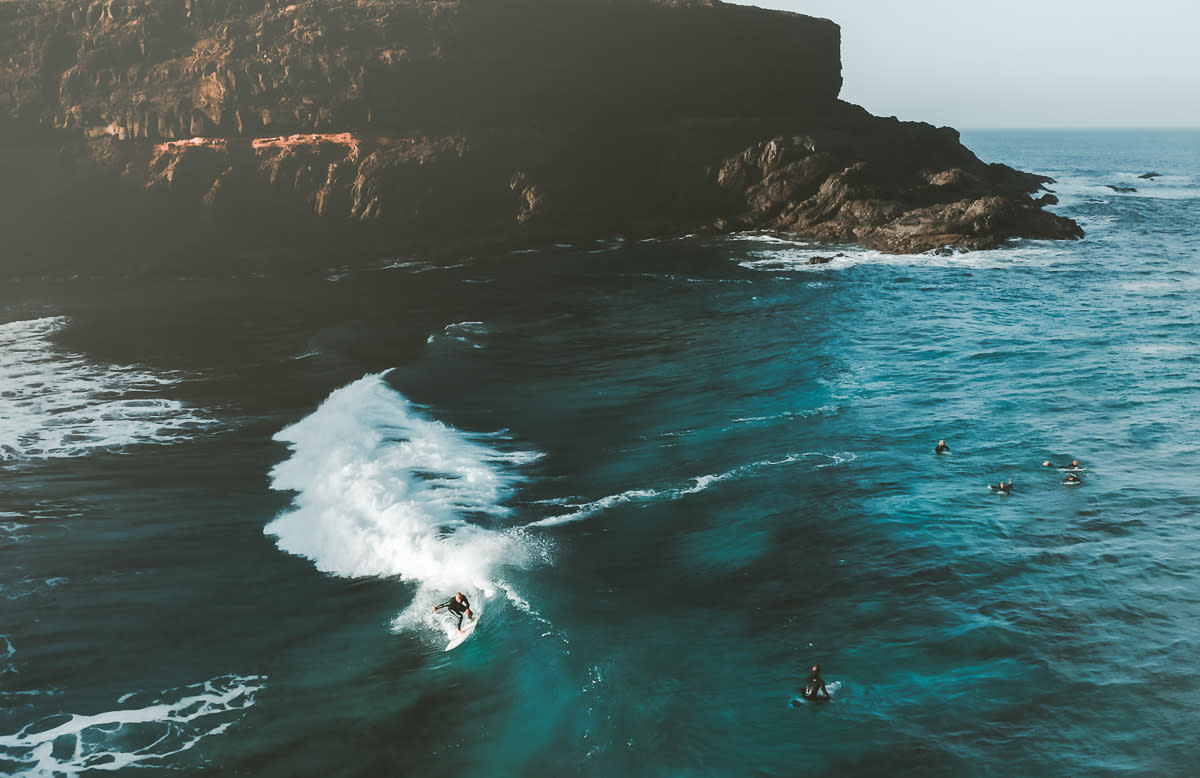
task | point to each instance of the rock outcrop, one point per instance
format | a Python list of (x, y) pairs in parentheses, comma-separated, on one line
[(196, 127)]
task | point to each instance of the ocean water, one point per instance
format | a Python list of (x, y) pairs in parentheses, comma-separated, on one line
[(670, 476)]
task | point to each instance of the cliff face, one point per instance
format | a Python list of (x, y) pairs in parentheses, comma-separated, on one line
[(396, 125), (168, 69)]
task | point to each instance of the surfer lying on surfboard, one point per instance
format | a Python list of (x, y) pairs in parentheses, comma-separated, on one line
[(458, 605)]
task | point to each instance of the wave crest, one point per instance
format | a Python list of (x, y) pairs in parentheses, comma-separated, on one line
[(382, 490)]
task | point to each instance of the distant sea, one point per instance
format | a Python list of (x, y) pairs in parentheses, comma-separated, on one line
[(669, 475)]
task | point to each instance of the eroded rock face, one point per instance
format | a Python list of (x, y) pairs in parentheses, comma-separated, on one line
[(453, 125), (173, 69), (897, 187)]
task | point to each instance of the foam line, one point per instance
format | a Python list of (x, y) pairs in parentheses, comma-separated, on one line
[(791, 259), (7, 651), (59, 404), (696, 485), (465, 333), (145, 736)]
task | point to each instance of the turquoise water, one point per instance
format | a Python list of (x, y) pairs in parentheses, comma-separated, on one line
[(670, 476)]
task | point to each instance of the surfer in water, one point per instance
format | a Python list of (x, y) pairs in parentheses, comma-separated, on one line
[(1004, 488), (941, 448), (459, 605), (1073, 479), (1073, 466), (815, 686)]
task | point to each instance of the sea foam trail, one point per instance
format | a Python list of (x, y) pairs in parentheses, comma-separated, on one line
[(783, 256), (145, 735), (382, 490), (463, 334), (58, 404), (6, 654), (695, 485)]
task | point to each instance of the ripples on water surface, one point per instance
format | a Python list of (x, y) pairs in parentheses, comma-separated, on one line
[(670, 476)]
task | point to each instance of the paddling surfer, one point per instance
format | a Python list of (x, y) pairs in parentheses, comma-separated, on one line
[(1073, 466)]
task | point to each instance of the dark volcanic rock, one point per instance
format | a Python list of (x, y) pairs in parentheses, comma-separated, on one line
[(169, 69), (172, 129), (897, 187)]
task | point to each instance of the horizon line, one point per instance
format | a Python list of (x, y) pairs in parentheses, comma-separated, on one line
[(1089, 128)]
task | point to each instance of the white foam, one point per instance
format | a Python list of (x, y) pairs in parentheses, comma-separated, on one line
[(416, 265), (382, 490), (55, 403), (11, 530), (465, 333), (837, 459), (136, 736), (7, 651), (1074, 188), (595, 506), (779, 255), (695, 485), (786, 415), (31, 587)]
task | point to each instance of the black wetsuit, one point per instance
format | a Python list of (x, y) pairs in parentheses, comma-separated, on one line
[(813, 685), (457, 607)]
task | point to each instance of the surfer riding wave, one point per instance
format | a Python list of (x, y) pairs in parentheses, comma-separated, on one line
[(458, 605)]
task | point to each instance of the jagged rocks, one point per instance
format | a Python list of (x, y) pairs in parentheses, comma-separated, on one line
[(854, 189)]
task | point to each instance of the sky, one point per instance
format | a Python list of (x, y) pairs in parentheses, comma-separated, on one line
[(971, 64)]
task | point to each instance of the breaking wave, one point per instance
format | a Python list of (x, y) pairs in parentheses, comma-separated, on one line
[(383, 490)]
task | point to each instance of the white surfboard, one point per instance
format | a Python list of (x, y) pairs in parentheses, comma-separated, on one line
[(830, 687), (457, 638)]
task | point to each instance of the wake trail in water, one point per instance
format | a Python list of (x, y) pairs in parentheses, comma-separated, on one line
[(381, 490), (695, 485)]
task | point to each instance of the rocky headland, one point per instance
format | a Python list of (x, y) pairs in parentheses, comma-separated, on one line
[(161, 133)]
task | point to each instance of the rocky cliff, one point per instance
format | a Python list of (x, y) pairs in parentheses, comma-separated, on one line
[(178, 129)]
